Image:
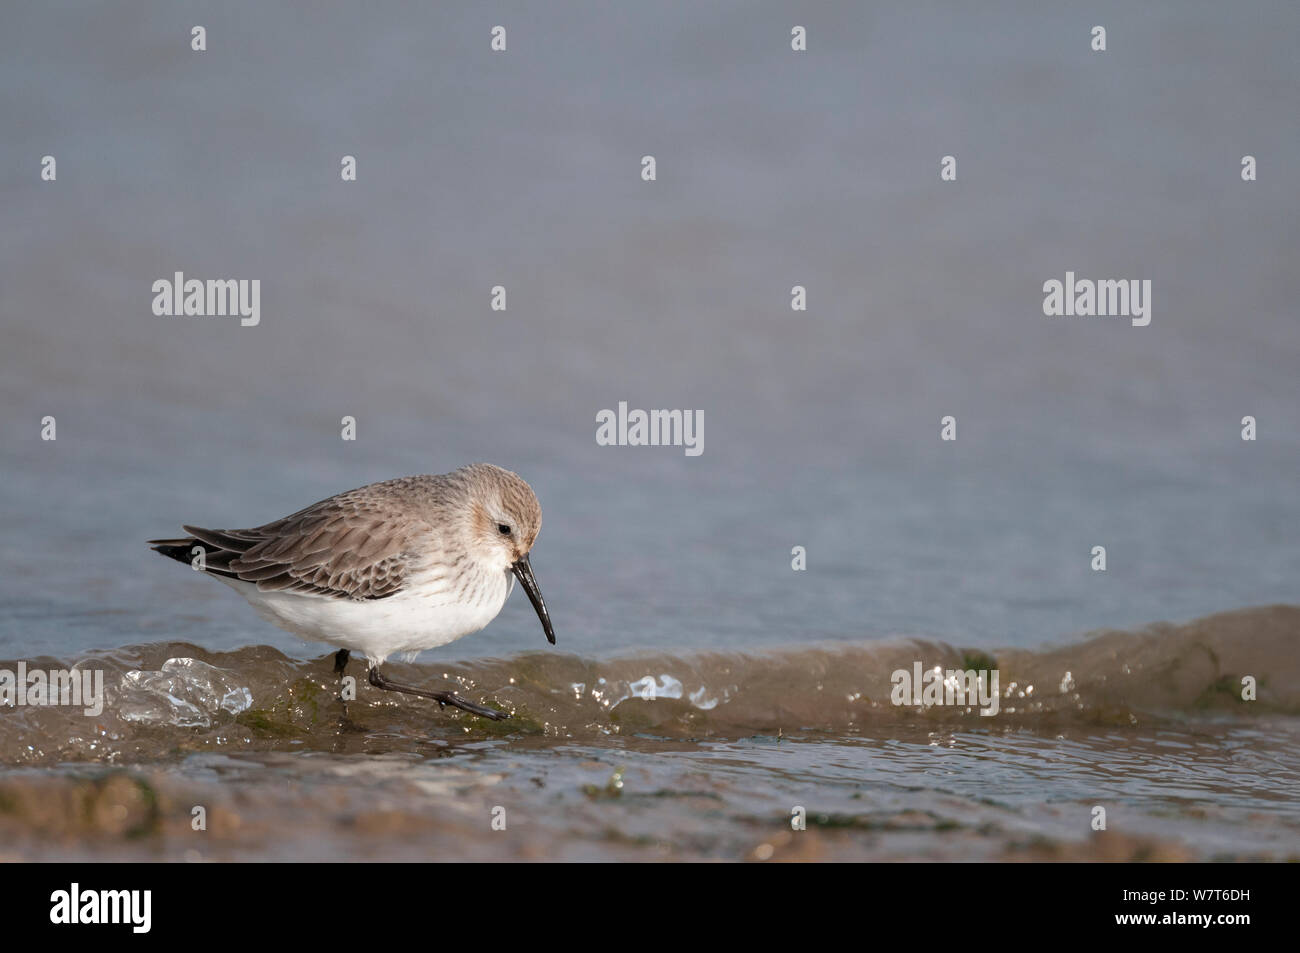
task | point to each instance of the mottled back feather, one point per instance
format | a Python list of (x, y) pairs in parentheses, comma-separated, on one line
[(358, 545), (343, 547)]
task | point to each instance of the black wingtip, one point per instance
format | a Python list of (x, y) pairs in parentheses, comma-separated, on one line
[(177, 549)]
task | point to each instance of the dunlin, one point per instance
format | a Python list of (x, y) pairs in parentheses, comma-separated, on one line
[(391, 568)]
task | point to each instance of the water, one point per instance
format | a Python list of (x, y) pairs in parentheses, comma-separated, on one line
[(679, 757), (821, 428)]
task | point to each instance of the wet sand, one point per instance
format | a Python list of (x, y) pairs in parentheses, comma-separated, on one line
[(1146, 724)]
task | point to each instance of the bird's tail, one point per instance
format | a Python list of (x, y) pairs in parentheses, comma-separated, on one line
[(180, 550)]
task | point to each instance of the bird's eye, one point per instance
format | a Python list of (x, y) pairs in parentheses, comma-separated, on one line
[(505, 530)]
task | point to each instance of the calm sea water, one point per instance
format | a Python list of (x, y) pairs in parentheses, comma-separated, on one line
[(821, 428)]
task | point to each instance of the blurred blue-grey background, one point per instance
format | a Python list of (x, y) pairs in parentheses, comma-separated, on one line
[(774, 169)]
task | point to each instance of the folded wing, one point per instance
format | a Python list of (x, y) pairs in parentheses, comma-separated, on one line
[(336, 548)]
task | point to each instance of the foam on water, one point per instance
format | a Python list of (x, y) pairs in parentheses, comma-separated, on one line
[(253, 698), (702, 755)]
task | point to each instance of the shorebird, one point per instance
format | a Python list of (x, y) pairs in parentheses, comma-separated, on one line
[(391, 568)]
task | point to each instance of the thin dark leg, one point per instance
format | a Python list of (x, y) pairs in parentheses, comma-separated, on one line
[(442, 698), (340, 666)]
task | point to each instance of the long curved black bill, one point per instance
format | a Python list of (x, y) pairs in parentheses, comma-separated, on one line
[(524, 573)]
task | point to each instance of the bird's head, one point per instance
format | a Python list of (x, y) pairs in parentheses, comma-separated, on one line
[(505, 518)]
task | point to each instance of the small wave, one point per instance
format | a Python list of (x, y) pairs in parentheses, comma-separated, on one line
[(186, 693), (256, 698)]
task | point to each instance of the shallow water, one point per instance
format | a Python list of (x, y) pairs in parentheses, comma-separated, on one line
[(821, 428), (699, 756)]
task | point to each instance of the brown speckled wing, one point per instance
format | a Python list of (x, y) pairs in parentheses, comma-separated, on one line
[(345, 549)]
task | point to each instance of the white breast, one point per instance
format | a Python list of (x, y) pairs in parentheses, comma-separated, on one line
[(425, 615)]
